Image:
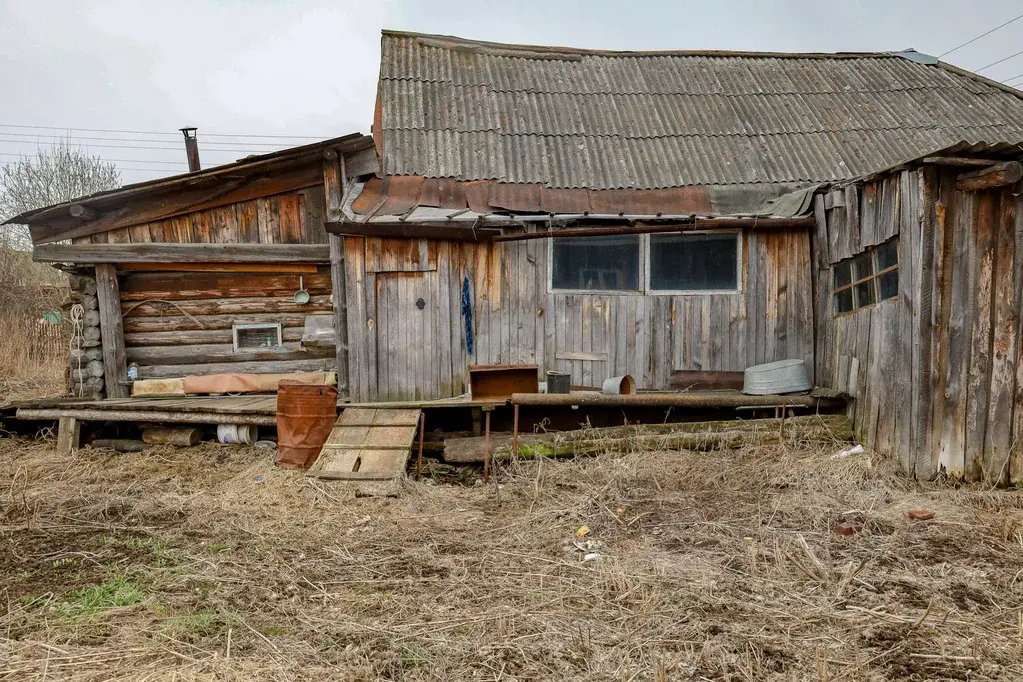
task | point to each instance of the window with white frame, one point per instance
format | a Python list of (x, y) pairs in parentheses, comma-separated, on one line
[(257, 337), (866, 278), (596, 263), (706, 261), (689, 262)]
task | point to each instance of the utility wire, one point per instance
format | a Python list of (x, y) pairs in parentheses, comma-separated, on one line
[(172, 163), (230, 150), (1004, 59), (155, 132), (973, 40), (75, 138)]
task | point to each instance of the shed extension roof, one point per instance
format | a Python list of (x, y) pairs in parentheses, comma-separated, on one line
[(568, 118)]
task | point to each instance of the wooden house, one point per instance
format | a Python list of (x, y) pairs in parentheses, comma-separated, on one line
[(618, 160), (197, 274), (591, 212), (919, 296)]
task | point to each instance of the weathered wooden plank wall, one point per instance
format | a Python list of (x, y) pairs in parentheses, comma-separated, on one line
[(290, 218), (400, 351), (178, 324), (935, 373)]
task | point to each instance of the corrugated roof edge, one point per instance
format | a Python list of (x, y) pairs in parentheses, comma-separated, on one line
[(352, 142), (1002, 151)]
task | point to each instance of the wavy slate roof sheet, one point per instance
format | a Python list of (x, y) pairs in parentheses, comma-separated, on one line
[(565, 118)]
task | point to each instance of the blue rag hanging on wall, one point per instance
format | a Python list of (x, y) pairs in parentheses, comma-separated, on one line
[(467, 314)]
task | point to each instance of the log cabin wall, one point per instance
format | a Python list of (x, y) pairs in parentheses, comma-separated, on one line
[(180, 323), (178, 318), (399, 350), (935, 372)]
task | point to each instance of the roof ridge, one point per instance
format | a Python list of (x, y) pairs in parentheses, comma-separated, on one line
[(457, 42)]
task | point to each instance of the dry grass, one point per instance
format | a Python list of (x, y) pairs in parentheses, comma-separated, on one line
[(33, 353), (208, 563)]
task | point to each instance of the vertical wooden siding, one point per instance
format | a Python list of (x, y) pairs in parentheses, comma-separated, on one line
[(869, 353), (398, 351), (936, 372), (289, 218)]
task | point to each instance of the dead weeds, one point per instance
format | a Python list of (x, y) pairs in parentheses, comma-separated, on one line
[(209, 563)]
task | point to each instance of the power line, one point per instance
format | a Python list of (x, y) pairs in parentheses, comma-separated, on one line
[(973, 40), (156, 132), (1013, 78), (172, 163), (135, 139), (1004, 59), (175, 148)]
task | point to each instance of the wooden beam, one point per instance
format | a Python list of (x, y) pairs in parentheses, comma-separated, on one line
[(266, 367), (216, 352), (681, 226), (157, 416), (413, 231), (958, 161), (68, 435), (82, 212), (333, 184), (181, 253), (998, 175), (111, 330), (276, 268)]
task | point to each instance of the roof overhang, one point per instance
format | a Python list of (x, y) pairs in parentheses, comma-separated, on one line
[(163, 198)]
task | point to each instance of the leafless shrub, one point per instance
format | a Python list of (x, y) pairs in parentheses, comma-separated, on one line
[(33, 346)]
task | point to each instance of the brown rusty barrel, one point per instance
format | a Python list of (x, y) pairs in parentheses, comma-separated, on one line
[(305, 416)]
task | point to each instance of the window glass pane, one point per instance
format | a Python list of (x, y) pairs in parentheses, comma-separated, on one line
[(862, 266), (887, 254), (864, 293), (844, 301), (693, 262), (843, 273), (888, 283), (610, 263)]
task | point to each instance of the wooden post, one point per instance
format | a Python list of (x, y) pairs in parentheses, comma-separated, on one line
[(998, 175), (515, 434), (422, 432), (486, 449), (333, 186), (111, 330), (68, 435), (477, 418)]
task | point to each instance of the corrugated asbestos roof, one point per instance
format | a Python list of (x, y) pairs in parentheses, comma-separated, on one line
[(565, 118)]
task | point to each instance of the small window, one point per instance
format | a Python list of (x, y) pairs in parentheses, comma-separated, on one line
[(257, 337), (694, 262), (596, 263), (868, 277)]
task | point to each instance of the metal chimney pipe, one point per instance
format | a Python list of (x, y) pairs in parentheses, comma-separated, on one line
[(191, 149)]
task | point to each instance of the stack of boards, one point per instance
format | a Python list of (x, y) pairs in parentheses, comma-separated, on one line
[(369, 447)]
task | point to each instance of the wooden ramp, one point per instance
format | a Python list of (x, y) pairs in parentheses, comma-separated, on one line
[(368, 445)]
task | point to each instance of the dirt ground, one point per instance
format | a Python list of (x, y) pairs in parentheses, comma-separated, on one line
[(209, 563)]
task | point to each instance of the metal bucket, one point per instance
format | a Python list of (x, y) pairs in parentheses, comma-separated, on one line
[(559, 382), (305, 416), (623, 385), (236, 434)]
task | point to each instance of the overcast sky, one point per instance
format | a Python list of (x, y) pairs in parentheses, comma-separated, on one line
[(304, 68)]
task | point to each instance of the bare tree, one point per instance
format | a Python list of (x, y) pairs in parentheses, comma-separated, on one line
[(58, 173)]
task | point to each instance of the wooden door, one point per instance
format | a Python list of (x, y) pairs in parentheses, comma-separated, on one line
[(406, 358)]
